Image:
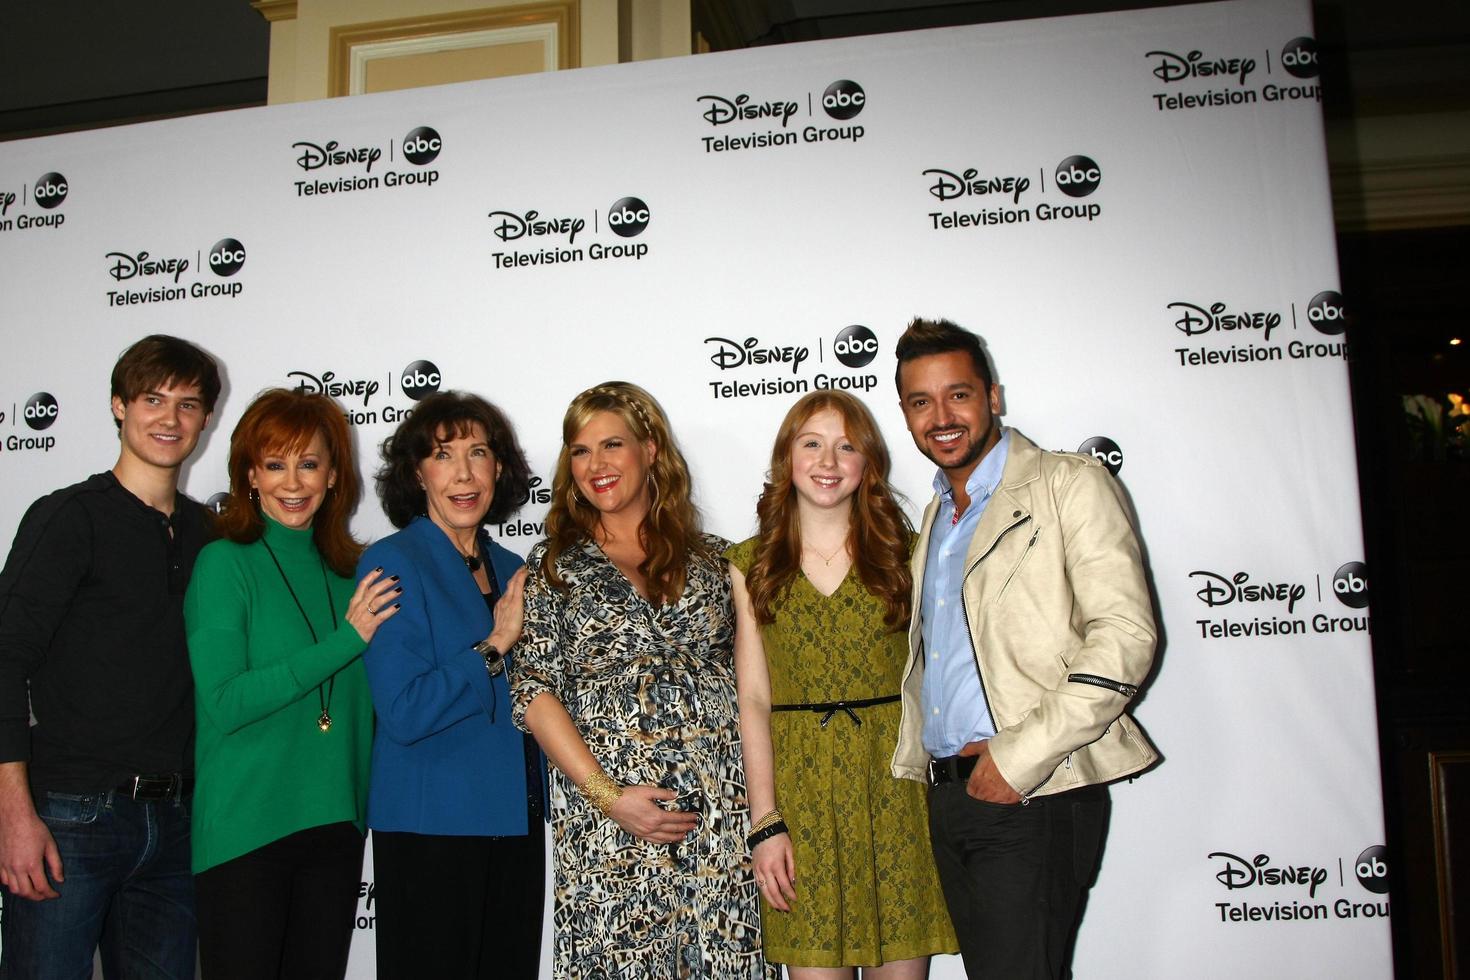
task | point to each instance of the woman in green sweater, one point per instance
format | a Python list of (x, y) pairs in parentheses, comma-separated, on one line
[(276, 633)]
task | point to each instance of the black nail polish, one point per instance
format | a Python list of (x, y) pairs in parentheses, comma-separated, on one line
[(378, 569), (392, 578)]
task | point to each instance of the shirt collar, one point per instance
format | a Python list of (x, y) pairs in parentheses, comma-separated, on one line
[(985, 477)]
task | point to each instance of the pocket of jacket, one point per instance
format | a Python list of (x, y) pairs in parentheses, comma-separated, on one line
[(1016, 569)]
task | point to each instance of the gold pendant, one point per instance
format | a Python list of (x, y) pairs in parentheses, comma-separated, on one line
[(324, 722)]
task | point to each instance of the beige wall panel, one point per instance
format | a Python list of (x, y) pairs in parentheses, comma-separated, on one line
[(281, 84), (599, 32), (300, 67), (462, 65), (660, 29)]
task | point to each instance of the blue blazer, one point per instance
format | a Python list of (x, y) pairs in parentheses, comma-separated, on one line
[(446, 758)]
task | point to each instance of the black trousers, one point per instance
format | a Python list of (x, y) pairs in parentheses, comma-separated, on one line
[(283, 910), (461, 907), (1015, 877)]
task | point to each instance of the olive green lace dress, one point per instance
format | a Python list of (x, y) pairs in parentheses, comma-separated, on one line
[(866, 889)]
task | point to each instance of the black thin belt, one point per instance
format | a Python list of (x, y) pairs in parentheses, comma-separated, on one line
[(164, 786), (829, 708)]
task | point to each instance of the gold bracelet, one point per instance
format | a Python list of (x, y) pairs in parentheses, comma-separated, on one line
[(601, 791), (770, 818)]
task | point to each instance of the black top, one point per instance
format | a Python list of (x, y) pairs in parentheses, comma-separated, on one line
[(536, 808), (91, 614)]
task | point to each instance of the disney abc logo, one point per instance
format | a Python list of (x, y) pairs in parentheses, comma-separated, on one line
[(1326, 313), (844, 99), (125, 266), (50, 190), (855, 346), (1105, 451), (1350, 584), (420, 379), (1299, 57), (421, 146), (1239, 872), (226, 257), (1220, 590), (40, 410), (314, 156), (1078, 176), (511, 226), (1173, 67), (627, 217), (720, 110)]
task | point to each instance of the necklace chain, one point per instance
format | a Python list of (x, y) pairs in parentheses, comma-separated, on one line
[(827, 559), (324, 700), (472, 559)]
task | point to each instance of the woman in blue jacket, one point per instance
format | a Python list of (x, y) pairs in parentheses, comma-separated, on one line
[(456, 800)]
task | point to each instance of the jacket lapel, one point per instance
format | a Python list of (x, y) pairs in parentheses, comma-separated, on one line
[(916, 571)]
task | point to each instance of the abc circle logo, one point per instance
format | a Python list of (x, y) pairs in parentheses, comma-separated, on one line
[(1371, 867), (50, 190), (844, 99), (1350, 584), (1326, 312), (855, 346), (226, 257), (217, 501), (1299, 57), (421, 146), (421, 378), (1078, 176), (627, 217), (1105, 451), (41, 410)]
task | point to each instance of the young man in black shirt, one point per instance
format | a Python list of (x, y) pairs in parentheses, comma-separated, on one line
[(94, 797)]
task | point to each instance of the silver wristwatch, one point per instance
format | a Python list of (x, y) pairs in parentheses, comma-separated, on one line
[(494, 659)]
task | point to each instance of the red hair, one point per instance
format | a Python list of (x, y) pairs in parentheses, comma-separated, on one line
[(283, 421), (879, 534)]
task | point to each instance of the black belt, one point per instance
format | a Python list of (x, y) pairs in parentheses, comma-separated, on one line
[(159, 786), (829, 708), (951, 769)]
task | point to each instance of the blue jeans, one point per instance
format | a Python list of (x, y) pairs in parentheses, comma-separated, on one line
[(127, 889)]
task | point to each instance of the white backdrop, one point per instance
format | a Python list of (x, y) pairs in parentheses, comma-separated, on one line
[(1131, 208)]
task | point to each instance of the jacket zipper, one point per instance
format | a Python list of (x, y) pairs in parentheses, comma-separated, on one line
[(969, 630), (1127, 690)]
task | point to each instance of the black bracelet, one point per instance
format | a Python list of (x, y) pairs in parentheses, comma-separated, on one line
[(779, 827)]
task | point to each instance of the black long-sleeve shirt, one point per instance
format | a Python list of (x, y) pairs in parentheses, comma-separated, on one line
[(91, 617)]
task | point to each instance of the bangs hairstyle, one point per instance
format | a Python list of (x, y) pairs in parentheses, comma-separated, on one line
[(439, 418), (925, 337), (879, 533), (160, 361), (670, 532), (282, 422)]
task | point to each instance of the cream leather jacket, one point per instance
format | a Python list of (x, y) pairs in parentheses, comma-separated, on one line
[(1060, 622)]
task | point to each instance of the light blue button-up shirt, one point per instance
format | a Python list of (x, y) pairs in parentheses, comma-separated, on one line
[(954, 705)]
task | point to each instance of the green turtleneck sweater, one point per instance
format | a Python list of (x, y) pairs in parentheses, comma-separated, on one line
[(263, 768)]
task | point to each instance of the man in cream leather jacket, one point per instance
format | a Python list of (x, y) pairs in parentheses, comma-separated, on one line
[(1032, 631)]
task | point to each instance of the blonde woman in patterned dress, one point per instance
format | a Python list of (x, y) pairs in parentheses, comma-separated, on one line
[(822, 600), (625, 675)]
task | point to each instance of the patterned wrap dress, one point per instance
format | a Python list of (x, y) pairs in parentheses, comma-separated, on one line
[(652, 692), (867, 892)]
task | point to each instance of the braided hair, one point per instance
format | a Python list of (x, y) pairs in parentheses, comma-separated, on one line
[(670, 533)]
